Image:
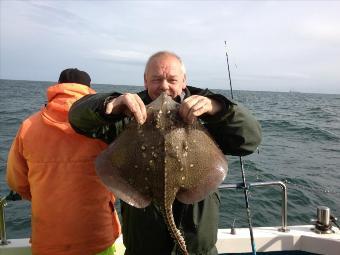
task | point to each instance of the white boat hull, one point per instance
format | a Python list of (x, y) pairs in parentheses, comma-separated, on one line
[(299, 238)]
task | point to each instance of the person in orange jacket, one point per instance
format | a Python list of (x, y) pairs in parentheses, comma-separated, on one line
[(52, 166)]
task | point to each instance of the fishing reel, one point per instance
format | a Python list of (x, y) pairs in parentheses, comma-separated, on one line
[(323, 223)]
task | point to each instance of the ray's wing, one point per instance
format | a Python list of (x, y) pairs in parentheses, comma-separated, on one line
[(205, 164), (133, 165), (117, 168)]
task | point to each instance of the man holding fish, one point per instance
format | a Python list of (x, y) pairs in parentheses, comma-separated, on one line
[(232, 126)]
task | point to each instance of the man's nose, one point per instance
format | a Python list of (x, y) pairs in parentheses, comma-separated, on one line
[(164, 85)]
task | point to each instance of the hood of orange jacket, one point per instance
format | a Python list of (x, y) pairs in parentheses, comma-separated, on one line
[(60, 99)]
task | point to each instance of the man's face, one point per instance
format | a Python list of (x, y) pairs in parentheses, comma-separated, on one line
[(164, 75)]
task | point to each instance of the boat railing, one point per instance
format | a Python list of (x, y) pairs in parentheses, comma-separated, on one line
[(281, 184), (3, 203), (12, 196)]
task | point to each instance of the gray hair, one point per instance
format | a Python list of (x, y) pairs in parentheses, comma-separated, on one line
[(164, 53)]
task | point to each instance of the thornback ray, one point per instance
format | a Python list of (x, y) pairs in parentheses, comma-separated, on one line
[(162, 160)]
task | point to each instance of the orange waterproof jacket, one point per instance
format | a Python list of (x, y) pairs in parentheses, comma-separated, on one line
[(53, 166)]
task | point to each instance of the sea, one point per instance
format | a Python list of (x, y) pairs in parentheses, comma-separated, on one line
[(300, 147)]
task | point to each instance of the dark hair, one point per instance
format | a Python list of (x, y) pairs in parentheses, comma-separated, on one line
[(73, 75)]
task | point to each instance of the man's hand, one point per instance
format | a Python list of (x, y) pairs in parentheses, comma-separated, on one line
[(129, 104), (194, 106)]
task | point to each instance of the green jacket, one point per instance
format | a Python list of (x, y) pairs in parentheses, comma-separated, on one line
[(236, 132)]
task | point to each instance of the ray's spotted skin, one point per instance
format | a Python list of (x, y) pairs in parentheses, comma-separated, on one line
[(163, 159)]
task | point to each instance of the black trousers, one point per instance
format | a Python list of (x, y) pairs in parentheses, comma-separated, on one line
[(144, 230)]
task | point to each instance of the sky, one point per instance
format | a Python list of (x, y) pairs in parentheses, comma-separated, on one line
[(272, 45)]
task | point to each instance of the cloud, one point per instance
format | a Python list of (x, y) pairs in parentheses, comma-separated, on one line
[(326, 32), (122, 56), (48, 14), (56, 17), (46, 9), (271, 42)]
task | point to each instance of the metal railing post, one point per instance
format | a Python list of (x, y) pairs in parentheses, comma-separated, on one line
[(261, 184), (3, 203)]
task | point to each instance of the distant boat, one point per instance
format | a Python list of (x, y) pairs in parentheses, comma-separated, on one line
[(294, 91)]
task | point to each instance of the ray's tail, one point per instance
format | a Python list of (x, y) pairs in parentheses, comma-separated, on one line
[(174, 231)]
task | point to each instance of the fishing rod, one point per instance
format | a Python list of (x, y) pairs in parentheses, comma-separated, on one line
[(245, 187), (231, 87)]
